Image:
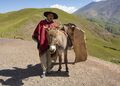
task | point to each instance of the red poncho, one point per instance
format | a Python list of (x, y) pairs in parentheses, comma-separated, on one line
[(40, 34)]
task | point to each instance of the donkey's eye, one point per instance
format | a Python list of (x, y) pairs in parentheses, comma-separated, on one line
[(50, 39), (55, 39)]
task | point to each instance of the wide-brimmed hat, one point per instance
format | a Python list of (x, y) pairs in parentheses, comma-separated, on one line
[(48, 12)]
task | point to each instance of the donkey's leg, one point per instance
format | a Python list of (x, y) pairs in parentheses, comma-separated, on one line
[(60, 62), (66, 60)]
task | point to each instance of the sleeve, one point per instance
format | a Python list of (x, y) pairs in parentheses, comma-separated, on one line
[(37, 31)]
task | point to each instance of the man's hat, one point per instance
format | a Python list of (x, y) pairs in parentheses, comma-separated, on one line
[(48, 12)]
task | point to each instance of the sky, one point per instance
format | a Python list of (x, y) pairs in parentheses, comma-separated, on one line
[(69, 6)]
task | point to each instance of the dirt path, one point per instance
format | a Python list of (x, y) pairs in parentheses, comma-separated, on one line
[(20, 65)]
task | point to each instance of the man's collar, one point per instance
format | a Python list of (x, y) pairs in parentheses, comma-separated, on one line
[(48, 21)]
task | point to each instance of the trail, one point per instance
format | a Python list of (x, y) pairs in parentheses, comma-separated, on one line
[(20, 65)]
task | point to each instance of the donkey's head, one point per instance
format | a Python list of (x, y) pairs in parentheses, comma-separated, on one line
[(69, 28), (53, 41)]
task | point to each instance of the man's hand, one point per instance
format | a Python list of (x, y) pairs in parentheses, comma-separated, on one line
[(34, 38), (45, 26)]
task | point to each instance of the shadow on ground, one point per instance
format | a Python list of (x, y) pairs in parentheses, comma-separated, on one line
[(18, 74)]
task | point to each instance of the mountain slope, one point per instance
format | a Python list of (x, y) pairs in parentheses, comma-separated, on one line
[(109, 9), (21, 24), (105, 11)]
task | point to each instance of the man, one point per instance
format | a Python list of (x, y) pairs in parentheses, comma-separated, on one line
[(40, 35)]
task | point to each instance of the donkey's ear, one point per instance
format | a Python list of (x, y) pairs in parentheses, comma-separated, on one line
[(64, 28), (79, 45), (72, 26)]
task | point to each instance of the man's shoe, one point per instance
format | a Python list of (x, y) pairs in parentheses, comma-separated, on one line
[(43, 75)]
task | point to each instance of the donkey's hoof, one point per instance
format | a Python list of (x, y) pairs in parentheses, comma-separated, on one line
[(67, 71), (59, 70), (48, 72)]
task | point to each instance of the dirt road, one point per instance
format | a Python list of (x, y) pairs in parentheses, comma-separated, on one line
[(20, 65)]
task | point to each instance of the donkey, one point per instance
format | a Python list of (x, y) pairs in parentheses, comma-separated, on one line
[(57, 40), (67, 36), (77, 38)]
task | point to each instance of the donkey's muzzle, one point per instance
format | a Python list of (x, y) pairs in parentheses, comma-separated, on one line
[(52, 48)]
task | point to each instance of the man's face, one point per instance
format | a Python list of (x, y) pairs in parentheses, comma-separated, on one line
[(50, 17)]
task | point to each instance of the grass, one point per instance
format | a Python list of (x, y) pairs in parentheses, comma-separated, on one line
[(21, 24), (113, 27)]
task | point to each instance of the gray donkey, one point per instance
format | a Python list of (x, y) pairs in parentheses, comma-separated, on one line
[(57, 40), (67, 36)]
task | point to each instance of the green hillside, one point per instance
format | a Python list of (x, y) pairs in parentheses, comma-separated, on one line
[(100, 43)]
